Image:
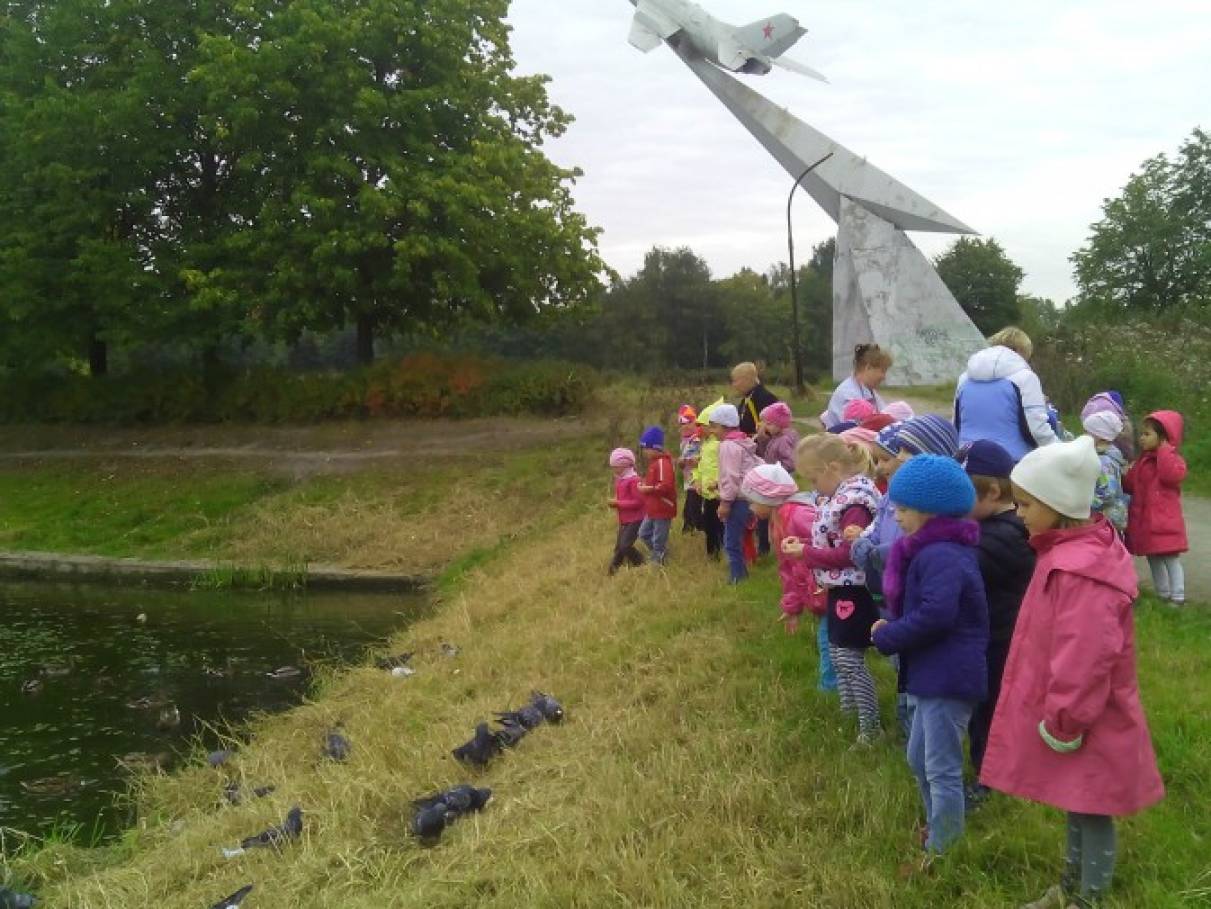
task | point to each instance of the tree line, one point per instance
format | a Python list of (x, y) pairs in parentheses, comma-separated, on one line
[(200, 175)]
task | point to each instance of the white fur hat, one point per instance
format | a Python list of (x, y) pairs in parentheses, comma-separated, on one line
[(1062, 475)]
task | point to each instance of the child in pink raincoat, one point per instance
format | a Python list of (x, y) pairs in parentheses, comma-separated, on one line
[(1069, 729), (628, 502)]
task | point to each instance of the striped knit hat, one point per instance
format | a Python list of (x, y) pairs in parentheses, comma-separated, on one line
[(929, 434)]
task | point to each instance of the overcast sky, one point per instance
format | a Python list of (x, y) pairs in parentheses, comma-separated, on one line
[(1017, 118)]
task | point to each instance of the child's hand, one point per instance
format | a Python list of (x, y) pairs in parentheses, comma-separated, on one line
[(793, 547), (612, 503), (791, 622), (875, 627), (852, 533), (645, 488), (725, 509)]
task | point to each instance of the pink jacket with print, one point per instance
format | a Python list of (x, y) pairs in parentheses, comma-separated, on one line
[(1072, 667)]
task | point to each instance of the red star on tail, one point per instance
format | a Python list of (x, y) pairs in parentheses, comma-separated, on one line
[(769, 31)]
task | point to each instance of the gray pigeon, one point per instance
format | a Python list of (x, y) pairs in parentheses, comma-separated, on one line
[(429, 822), (219, 758), (11, 899), (457, 801), (274, 837), (481, 748), (528, 717), (336, 747), (550, 708), (234, 793), (510, 734), (230, 902)]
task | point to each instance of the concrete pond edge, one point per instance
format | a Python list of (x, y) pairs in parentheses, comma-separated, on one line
[(54, 566)]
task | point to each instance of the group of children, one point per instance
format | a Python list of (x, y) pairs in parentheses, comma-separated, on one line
[(1002, 591)]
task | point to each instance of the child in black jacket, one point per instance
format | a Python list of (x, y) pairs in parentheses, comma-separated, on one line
[(1007, 563)]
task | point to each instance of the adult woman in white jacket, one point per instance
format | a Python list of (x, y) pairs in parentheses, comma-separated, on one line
[(1001, 399)]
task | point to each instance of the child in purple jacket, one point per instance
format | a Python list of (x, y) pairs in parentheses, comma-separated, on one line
[(933, 584), (628, 502), (776, 441)]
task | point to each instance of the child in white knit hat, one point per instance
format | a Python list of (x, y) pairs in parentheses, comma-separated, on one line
[(1108, 496), (1069, 730)]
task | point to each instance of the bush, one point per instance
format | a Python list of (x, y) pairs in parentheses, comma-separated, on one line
[(421, 385)]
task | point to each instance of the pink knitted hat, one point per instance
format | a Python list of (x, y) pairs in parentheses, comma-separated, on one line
[(622, 457), (900, 411), (862, 436), (777, 414), (858, 410), (768, 484)]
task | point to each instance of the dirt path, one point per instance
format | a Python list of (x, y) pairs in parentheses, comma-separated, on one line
[(324, 448)]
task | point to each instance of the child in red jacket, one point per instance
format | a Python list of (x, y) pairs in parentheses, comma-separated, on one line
[(628, 502), (659, 489), (1155, 525)]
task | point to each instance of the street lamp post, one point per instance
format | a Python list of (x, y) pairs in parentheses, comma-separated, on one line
[(790, 242)]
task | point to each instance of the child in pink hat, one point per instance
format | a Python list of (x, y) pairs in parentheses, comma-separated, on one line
[(776, 440), (628, 502)]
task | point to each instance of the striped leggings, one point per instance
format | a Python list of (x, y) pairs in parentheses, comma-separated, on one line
[(856, 686)]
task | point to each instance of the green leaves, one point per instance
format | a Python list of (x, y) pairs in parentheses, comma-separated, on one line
[(984, 280), (1152, 248), (199, 170)]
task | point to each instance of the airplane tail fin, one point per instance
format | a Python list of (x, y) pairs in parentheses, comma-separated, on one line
[(801, 68), (773, 36)]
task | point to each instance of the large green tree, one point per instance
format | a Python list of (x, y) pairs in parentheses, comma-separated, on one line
[(193, 171), (984, 280), (404, 179), (1152, 248)]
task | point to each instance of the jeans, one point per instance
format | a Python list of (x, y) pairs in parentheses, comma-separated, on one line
[(733, 540), (935, 754), (654, 533), (1168, 577), (828, 675)]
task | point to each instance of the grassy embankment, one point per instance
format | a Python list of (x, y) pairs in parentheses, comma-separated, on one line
[(697, 767)]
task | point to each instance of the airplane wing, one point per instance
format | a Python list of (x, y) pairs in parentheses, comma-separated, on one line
[(801, 68), (655, 20), (773, 36), (643, 37)]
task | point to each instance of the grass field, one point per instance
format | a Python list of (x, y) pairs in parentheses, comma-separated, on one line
[(698, 766)]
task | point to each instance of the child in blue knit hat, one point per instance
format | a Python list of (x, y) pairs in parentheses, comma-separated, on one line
[(939, 627), (659, 489)]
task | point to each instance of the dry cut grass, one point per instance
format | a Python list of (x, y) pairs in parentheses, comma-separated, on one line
[(697, 767)]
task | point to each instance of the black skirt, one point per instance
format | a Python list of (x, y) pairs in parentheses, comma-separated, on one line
[(851, 612)]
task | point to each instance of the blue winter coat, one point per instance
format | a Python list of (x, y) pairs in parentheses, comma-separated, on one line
[(942, 633), (869, 552)]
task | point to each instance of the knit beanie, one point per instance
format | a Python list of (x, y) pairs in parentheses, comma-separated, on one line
[(889, 440), (1062, 476), (929, 434), (622, 457), (1104, 425), (686, 414), (725, 415), (986, 458), (878, 422), (768, 484), (653, 437), (900, 411), (860, 436), (777, 414), (858, 410), (1104, 401), (933, 484)]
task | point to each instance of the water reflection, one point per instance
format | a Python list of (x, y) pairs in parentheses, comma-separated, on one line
[(97, 679)]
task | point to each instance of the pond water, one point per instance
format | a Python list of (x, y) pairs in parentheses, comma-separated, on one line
[(93, 678)]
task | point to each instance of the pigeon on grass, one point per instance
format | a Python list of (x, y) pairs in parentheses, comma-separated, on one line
[(275, 837), (480, 749), (231, 902)]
